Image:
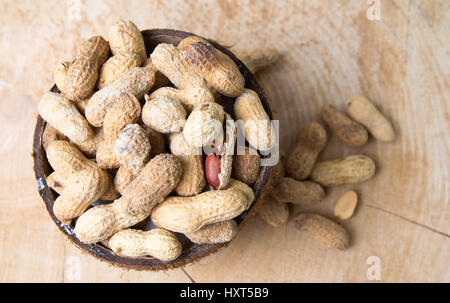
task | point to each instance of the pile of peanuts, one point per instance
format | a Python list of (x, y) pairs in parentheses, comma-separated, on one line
[(126, 137), (130, 130), (302, 180)]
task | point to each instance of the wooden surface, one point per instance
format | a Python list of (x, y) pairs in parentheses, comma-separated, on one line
[(330, 51)]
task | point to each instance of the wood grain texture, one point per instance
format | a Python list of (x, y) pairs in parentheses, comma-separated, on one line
[(330, 51)]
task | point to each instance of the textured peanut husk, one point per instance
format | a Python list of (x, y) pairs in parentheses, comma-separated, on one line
[(164, 114), (125, 38), (246, 167), (132, 147), (199, 130), (125, 111), (325, 231), (189, 97), (115, 67), (192, 179), (51, 134), (346, 129), (90, 146), (80, 78), (214, 66), (157, 141), (96, 47), (363, 111), (62, 114), (173, 63), (160, 79), (159, 243), (155, 181), (312, 139), (123, 177), (349, 170), (258, 127), (137, 81), (272, 211), (189, 214), (220, 232), (83, 181), (290, 190)]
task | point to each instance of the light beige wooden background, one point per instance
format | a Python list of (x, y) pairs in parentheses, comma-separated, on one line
[(330, 50)]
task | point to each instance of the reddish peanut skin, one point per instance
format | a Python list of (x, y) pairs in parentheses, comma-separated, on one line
[(212, 170)]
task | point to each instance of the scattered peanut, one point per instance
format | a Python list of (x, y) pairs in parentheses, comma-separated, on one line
[(363, 111), (259, 58), (311, 141), (270, 209), (273, 212), (219, 232), (345, 206), (258, 127), (158, 243), (347, 130), (164, 114), (352, 169), (323, 230), (189, 214), (59, 112), (78, 180), (298, 192)]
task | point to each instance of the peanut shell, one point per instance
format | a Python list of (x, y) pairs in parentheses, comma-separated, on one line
[(220, 232), (125, 38), (328, 233), (311, 141), (352, 169), (164, 114), (59, 112)]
